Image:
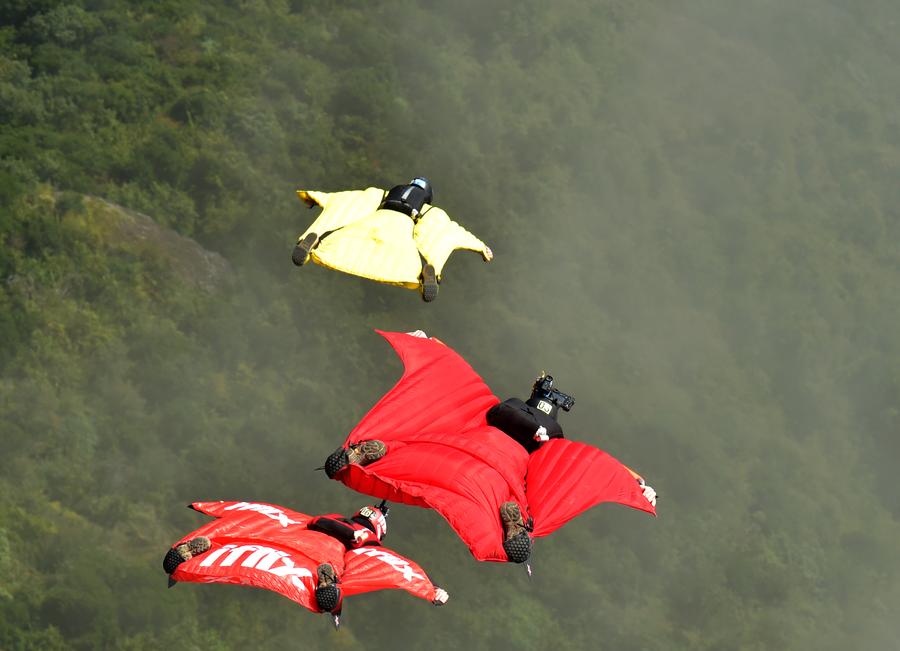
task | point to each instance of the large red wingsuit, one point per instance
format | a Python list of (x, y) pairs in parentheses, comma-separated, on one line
[(442, 454), (268, 546)]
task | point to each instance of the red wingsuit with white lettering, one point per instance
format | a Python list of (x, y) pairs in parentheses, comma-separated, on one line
[(269, 546), (442, 454)]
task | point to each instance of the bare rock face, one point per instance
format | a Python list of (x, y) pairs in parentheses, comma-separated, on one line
[(138, 233)]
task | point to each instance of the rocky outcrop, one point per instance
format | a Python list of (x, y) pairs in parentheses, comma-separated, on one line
[(140, 234)]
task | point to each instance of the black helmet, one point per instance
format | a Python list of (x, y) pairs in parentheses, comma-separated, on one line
[(375, 517), (425, 184)]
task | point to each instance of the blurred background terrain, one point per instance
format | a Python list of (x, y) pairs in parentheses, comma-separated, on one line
[(695, 213)]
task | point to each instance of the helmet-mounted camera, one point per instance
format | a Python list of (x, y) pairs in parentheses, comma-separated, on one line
[(547, 399)]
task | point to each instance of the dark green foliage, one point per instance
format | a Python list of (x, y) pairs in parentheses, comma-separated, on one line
[(694, 211)]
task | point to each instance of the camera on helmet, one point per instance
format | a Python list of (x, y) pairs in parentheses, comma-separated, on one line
[(547, 399)]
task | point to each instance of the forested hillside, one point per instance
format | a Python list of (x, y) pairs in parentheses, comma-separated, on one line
[(695, 214)]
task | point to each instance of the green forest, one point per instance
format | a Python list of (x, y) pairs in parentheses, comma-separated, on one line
[(694, 209)]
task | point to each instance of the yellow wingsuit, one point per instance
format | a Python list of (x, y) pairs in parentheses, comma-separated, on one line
[(358, 238)]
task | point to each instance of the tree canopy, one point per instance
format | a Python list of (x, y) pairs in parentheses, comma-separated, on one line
[(695, 212)]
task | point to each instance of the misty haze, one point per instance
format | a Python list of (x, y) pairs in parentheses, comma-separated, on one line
[(694, 211)]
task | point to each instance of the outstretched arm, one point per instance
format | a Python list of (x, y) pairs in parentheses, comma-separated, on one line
[(646, 488), (313, 198), (648, 491), (437, 236), (379, 568)]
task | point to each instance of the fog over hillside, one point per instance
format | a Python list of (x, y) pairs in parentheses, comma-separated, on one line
[(693, 208)]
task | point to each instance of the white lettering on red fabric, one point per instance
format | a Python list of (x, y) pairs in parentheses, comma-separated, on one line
[(399, 564), (260, 558), (264, 509)]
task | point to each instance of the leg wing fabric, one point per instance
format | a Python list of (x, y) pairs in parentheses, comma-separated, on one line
[(378, 245), (565, 478), (258, 564), (463, 476)]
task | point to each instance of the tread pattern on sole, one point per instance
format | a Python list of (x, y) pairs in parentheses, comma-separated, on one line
[(518, 548), (300, 255), (185, 551), (336, 462), (429, 283), (172, 561), (328, 597)]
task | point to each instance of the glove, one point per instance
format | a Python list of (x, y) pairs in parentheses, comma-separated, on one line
[(648, 491), (487, 254), (541, 434), (360, 535), (440, 596)]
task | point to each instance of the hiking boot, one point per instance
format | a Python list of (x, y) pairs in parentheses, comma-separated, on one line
[(516, 541), (326, 575), (327, 594), (184, 552), (301, 252), (366, 452), (429, 283), (511, 516)]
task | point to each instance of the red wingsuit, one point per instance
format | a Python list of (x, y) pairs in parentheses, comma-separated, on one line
[(442, 454), (271, 547)]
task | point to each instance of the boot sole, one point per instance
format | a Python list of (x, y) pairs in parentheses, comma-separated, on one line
[(518, 548), (336, 462), (327, 593), (429, 283), (301, 252), (171, 561), (327, 598)]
